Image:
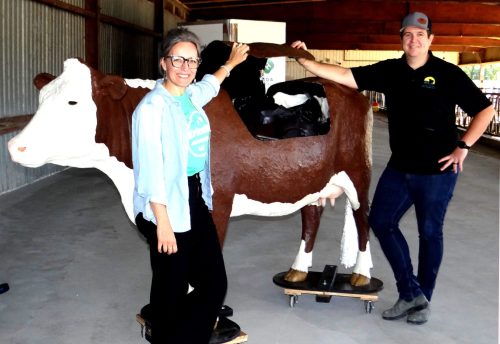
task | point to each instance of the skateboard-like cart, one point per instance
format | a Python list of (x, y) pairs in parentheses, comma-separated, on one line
[(327, 284)]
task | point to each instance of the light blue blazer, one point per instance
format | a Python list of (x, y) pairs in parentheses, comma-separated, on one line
[(160, 152)]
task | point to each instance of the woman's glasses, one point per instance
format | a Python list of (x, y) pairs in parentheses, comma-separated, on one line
[(178, 61)]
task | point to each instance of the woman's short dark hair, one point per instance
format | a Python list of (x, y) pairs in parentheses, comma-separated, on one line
[(177, 35)]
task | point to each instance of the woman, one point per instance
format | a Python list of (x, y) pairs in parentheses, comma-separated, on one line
[(172, 194)]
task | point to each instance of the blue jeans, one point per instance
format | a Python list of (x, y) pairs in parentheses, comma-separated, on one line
[(396, 192)]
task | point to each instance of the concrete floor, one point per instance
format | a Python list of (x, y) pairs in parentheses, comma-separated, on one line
[(79, 271)]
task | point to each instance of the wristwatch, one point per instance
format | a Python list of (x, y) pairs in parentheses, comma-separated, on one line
[(462, 144)]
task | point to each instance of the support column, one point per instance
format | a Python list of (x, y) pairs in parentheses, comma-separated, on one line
[(158, 28), (92, 34)]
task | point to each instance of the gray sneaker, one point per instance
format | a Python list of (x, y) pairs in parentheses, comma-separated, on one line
[(402, 308), (419, 317)]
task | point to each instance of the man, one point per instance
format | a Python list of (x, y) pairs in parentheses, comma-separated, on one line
[(421, 93)]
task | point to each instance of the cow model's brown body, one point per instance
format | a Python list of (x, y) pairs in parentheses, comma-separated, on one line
[(288, 170)]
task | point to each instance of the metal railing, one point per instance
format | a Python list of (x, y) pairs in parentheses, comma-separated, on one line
[(463, 121), (376, 98)]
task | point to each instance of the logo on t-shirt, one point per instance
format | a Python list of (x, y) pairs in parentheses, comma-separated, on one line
[(429, 82), (198, 134)]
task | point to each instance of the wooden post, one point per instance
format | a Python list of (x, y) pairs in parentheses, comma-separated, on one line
[(158, 28), (92, 34)]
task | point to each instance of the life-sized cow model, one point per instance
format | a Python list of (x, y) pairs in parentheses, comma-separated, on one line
[(84, 120)]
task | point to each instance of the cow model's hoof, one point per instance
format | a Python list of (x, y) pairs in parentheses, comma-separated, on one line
[(358, 280), (295, 276)]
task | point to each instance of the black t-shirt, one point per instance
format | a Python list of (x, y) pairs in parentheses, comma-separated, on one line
[(421, 108)]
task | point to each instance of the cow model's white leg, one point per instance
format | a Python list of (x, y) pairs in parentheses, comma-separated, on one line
[(123, 178), (303, 260), (364, 262)]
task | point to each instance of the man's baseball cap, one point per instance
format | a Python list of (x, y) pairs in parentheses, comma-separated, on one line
[(417, 19)]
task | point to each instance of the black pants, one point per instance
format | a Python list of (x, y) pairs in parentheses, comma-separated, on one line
[(178, 317)]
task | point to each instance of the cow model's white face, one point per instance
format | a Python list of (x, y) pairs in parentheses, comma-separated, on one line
[(62, 130)]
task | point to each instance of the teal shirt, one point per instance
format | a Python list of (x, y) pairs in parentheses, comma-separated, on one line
[(198, 135), (160, 146)]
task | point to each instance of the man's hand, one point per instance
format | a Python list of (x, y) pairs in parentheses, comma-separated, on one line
[(456, 158), (299, 45)]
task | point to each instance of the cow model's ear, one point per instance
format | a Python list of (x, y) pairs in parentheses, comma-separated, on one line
[(42, 79), (113, 86)]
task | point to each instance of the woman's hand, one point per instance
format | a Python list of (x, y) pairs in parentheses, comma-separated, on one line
[(164, 232), (166, 239), (239, 53)]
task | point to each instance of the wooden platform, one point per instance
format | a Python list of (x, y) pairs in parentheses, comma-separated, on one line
[(242, 338), (341, 287), (362, 297)]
